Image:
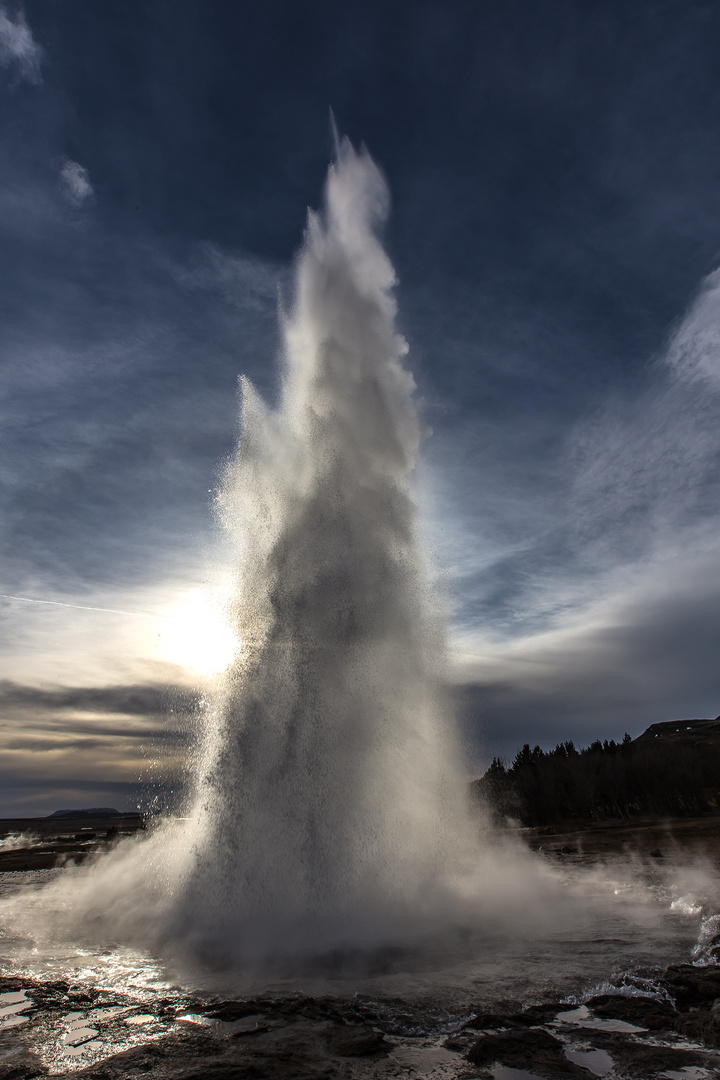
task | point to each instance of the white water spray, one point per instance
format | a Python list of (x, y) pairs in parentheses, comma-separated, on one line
[(328, 805)]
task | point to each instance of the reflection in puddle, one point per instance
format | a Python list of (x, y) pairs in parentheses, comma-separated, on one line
[(596, 1061), (584, 1017), (85, 1048), (13, 1021), (11, 1010), (77, 1035), (11, 1005), (14, 998)]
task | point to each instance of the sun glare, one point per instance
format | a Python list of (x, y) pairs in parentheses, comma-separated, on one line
[(197, 635)]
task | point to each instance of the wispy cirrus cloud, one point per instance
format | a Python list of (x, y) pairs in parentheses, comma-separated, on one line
[(244, 281), (19, 50), (587, 604), (128, 700)]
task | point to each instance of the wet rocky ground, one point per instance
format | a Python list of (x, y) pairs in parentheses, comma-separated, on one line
[(56, 1030), (654, 837), (47, 843), (667, 1027)]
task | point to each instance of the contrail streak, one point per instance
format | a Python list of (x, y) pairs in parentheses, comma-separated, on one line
[(82, 607)]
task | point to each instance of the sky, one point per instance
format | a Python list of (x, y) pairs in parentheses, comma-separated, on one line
[(555, 178)]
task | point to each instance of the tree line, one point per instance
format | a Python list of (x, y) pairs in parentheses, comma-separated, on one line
[(674, 776)]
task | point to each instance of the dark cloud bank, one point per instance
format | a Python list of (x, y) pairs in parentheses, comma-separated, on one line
[(72, 745)]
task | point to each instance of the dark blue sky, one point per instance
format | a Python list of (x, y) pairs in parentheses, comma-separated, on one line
[(555, 175)]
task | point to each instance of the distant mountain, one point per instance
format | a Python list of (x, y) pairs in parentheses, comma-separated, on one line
[(94, 811), (681, 727)]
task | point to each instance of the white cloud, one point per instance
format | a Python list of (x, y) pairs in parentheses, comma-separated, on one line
[(245, 281), (694, 353), (75, 182), (18, 47), (585, 595)]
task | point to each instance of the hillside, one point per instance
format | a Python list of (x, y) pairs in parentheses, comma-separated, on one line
[(672, 769)]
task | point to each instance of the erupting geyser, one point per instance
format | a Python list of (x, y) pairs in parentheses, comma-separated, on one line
[(327, 815), (327, 810), (328, 803)]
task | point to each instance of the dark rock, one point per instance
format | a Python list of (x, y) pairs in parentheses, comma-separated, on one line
[(644, 1011), (711, 951), (231, 1010), (641, 1060), (702, 1025), (249, 1026), (691, 1024), (307, 1007), (460, 1041), (357, 1041), (21, 1064), (692, 986), (484, 1021), (656, 853), (532, 1049), (540, 1014), (222, 1070), (533, 1015)]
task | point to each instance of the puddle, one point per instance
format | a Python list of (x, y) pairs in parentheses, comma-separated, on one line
[(246, 1025), (77, 1024), (10, 1010), (195, 1018), (583, 1017), (12, 1004), (77, 1035), (78, 1051), (13, 1021), (423, 1059), (596, 1061), (14, 998)]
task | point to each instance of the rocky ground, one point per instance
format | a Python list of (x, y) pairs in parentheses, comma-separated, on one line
[(55, 1030), (44, 843), (656, 837)]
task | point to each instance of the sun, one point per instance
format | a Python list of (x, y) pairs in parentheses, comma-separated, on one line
[(197, 635)]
